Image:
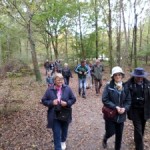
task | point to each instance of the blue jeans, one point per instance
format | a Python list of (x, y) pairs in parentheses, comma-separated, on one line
[(60, 132), (66, 80), (82, 86)]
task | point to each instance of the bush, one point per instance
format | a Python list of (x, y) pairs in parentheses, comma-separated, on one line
[(15, 68)]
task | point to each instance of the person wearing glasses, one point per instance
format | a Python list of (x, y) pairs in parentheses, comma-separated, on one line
[(139, 111), (57, 96), (116, 96)]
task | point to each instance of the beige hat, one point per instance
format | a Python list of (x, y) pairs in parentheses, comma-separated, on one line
[(116, 69)]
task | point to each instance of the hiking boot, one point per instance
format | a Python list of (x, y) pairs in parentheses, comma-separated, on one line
[(104, 143)]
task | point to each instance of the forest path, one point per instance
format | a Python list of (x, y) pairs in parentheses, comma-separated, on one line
[(26, 129)]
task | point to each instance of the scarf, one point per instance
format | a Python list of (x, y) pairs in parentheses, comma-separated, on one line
[(59, 92)]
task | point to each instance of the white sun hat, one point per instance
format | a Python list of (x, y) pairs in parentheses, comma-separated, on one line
[(116, 69)]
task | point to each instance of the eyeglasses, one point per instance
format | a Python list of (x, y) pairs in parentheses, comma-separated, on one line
[(117, 74), (59, 80)]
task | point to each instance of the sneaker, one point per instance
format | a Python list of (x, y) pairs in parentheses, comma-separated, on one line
[(104, 143), (63, 145), (97, 94)]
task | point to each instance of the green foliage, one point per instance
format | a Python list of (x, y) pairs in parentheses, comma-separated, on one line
[(50, 19)]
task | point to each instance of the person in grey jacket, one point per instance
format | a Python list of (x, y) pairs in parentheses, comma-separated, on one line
[(96, 72), (139, 111), (116, 96)]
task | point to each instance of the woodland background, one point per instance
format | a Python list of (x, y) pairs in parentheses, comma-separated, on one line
[(35, 30)]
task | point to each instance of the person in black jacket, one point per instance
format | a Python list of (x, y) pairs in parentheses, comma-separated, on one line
[(66, 72), (139, 111), (116, 96)]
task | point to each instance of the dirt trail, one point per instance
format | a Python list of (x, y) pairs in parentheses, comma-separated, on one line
[(26, 129)]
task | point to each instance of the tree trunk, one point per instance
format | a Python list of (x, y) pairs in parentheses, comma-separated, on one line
[(96, 29), (54, 39), (81, 36), (110, 37), (51, 52), (66, 43), (0, 52), (135, 36), (8, 52), (126, 50), (148, 37), (135, 41), (33, 54), (47, 44), (141, 36), (119, 37), (20, 47), (118, 46)]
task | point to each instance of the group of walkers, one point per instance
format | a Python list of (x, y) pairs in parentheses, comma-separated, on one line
[(130, 98), (52, 68), (87, 74)]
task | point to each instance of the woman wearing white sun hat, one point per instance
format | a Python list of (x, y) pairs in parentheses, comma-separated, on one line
[(116, 96)]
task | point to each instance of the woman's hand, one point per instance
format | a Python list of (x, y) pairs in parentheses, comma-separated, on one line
[(55, 102), (63, 103), (120, 110)]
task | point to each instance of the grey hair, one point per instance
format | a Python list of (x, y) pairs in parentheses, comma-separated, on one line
[(58, 75)]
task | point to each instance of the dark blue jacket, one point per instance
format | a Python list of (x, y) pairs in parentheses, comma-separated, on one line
[(112, 97), (50, 95), (49, 80)]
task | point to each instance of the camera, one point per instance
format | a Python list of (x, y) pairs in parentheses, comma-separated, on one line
[(140, 98)]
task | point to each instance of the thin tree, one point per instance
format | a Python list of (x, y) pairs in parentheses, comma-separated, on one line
[(96, 27), (25, 20), (80, 28), (110, 36)]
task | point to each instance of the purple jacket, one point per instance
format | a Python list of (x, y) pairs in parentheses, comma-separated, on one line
[(50, 95)]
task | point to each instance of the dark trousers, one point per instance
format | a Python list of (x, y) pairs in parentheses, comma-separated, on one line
[(98, 84), (139, 127), (112, 128), (66, 80), (60, 131)]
